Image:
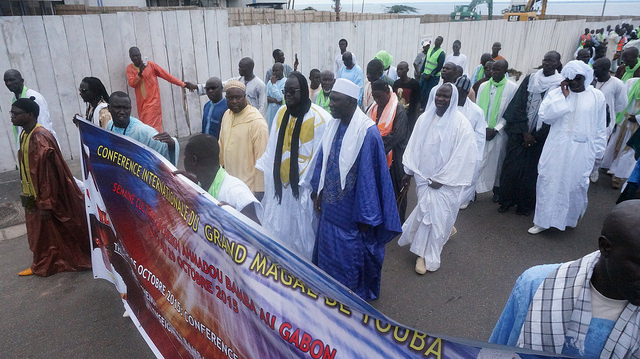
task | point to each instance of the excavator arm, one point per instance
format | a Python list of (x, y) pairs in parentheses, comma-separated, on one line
[(543, 9), (468, 12), (475, 3)]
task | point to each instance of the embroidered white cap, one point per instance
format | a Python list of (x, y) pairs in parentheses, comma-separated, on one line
[(346, 87)]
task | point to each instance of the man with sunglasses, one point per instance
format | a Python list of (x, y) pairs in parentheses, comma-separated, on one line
[(576, 114), (296, 132)]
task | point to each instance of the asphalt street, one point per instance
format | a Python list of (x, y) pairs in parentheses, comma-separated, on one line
[(71, 315)]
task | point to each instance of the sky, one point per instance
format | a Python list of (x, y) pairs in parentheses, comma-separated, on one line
[(456, 2), (579, 7)]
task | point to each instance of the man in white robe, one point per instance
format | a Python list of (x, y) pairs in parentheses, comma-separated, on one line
[(576, 113), (441, 155), (493, 98), (625, 160), (615, 95), (474, 114), (458, 58), (15, 83), (288, 211)]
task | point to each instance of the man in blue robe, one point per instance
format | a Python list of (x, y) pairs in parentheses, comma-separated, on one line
[(355, 198), (587, 308), (214, 109), (123, 124)]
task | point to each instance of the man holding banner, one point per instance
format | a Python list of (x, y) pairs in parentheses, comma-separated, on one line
[(355, 198), (202, 159), (122, 123), (199, 281)]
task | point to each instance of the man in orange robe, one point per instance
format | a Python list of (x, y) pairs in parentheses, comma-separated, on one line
[(143, 77), (54, 205)]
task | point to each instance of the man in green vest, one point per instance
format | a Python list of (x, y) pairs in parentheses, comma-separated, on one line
[(433, 63)]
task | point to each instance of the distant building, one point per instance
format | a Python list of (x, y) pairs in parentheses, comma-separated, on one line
[(19, 8), (48, 7)]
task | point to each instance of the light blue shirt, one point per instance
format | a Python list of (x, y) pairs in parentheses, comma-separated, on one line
[(144, 134), (276, 91), (354, 75), (508, 328)]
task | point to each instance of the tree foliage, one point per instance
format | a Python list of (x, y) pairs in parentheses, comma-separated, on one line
[(400, 9)]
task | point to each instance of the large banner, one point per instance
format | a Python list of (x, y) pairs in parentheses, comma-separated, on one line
[(203, 281)]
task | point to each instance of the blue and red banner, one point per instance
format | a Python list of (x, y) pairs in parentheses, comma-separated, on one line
[(203, 281)]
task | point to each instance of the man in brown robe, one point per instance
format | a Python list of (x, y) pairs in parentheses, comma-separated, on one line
[(54, 205)]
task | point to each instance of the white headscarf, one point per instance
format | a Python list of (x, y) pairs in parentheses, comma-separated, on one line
[(577, 67), (417, 147), (539, 83), (351, 144)]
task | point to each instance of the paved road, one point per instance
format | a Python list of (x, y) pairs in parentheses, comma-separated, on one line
[(73, 315), (480, 264)]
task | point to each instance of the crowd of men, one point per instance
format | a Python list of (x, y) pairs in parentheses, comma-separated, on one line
[(324, 164)]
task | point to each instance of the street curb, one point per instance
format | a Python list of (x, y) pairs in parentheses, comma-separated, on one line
[(13, 232)]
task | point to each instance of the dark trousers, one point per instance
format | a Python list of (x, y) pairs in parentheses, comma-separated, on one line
[(520, 174), (425, 89), (630, 192)]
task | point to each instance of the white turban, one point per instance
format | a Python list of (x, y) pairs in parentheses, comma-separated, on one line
[(346, 87), (577, 67)]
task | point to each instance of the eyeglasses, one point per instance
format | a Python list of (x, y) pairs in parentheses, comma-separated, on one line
[(83, 91), (291, 91)]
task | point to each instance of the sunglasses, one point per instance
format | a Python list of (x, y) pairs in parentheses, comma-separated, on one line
[(291, 91)]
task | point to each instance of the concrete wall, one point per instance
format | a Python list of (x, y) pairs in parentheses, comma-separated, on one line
[(54, 53)]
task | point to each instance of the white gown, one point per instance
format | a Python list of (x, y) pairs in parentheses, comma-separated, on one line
[(474, 114), (623, 164), (444, 150), (576, 138), (615, 94), (293, 221)]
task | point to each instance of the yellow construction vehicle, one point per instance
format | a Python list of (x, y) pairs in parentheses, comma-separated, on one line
[(529, 11)]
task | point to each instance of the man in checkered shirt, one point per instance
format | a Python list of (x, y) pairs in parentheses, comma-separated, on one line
[(586, 308)]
